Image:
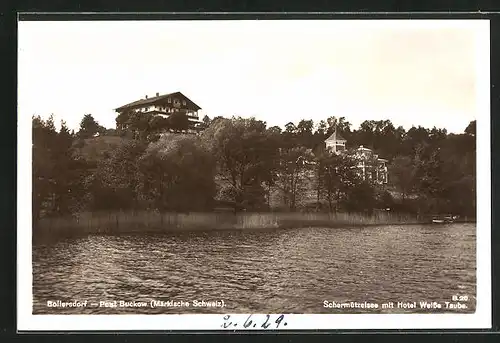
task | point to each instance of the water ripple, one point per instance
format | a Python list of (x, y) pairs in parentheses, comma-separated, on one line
[(265, 271)]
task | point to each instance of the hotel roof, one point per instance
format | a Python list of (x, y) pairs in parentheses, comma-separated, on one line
[(156, 99), (337, 138)]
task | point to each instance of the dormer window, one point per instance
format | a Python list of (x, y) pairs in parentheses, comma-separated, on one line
[(169, 100), (184, 102)]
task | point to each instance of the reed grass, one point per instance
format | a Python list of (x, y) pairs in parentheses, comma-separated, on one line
[(151, 222)]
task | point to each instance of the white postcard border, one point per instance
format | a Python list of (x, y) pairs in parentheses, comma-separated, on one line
[(480, 319)]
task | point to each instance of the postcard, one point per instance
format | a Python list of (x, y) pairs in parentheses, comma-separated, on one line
[(253, 174)]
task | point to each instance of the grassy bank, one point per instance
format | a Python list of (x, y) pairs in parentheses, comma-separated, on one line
[(131, 222)]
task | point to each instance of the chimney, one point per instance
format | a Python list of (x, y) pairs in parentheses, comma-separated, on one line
[(157, 94), (146, 96)]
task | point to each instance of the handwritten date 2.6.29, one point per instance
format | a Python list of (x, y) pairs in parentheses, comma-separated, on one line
[(256, 322)]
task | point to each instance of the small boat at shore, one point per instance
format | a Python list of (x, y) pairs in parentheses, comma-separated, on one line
[(448, 219)]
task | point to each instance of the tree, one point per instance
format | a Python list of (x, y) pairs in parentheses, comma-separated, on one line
[(415, 137), (157, 125), (337, 175), (245, 155), (275, 130), (44, 140), (341, 124), (178, 121), (271, 166), (89, 127), (289, 135), (57, 173), (430, 177), (321, 129), (290, 128), (305, 133), (206, 121), (137, 125), (437, 135), (67, 173), (471, 128), (319, 135), (137, 169), (388, 139), (458, 167), (385, 200), (115, 181), (177, 174), (361, 198), (403, 175), (379, 135), (293, 173)]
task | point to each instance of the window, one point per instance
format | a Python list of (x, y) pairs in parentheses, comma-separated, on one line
[(184, 102), (169, 100)]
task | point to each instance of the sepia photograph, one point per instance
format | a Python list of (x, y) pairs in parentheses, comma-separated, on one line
[(268, 168)]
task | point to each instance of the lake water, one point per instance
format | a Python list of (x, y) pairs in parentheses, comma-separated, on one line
[(271, 271)]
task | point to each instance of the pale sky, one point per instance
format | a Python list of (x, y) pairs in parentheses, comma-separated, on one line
[(411, 72)]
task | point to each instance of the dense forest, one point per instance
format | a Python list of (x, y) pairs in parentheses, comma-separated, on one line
[(240, 162)]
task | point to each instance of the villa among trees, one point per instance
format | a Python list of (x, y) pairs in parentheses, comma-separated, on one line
[(243, 163)]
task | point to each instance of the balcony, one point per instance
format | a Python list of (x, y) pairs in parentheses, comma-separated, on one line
[(167, 112), (192, 115)]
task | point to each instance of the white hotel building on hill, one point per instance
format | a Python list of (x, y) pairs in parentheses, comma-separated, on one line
[(164, 106), (369, 165)]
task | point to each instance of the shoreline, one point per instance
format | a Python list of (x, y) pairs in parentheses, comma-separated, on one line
[(154, 222)]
